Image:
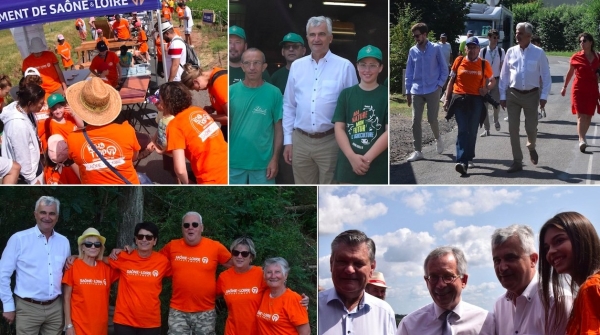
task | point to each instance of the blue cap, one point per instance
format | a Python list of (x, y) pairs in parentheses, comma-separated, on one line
[(470, 32), (473, 40)]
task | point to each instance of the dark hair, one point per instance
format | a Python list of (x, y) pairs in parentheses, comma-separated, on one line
[(149, 226), (585, 246), (421, 27), (536, 39), (123, 48), (4, 82), (175, 97), (30, 94), (588, 37), (32, 79), (493, 32), (354, 238)]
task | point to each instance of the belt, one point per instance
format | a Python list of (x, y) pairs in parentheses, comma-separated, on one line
[(43, 303), (526, 91), (316, 135)]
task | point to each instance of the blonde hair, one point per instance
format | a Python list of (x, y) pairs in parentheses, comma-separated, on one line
[(100, 254), (190, 73)]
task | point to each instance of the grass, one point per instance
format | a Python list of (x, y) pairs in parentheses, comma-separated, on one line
[(398, 106), (560, 53)]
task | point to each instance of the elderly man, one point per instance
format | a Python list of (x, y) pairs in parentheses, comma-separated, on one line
[(524, 65), (520, 310), (237, 46), (313, 87), (37, 255), (376, 285), (446, 276), (46, 63), (176, 55), (256, 133), (345, 308), (426, 73)]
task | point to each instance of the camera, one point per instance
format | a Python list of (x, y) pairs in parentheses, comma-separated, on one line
[(488, 98)]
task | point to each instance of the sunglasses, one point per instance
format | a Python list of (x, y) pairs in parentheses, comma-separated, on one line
[(583, 41), (416, 35), (236, 253), (292, 46), (94, 244), (187, 225), (140, 237)]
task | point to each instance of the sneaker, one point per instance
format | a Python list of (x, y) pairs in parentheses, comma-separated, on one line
[(461, 168), (470, 165), (543, 112), (506, 119), (582, 146), (417, 155), (440, 146), (497, 125), (540, 115), (485, 133)]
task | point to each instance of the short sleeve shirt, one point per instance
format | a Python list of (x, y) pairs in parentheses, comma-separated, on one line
[(468, 75), (45, 65), (281, 315)]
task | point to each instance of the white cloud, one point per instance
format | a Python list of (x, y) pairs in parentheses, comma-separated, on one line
[(475, 242), (418, 200), (444, 225), (419, 291), (562, 194), (403, 245), (352, 209), (480, 200)]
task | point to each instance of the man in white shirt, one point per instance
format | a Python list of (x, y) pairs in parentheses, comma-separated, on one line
[(520, 310), (347, 308), (37, 255), (176, 55), (314, 84), (187, 22), (446, 276), (494, 54), (522, 69)]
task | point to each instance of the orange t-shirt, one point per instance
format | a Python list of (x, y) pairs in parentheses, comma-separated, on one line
[(586, 316), (89, 297), (65, 177), (140, 284), (65, 50), (143, 39), (281, 315), (116, 142), (103, 39), (158, 48), (180, 12), (110, 63), (63, 129), (194, 131), (218, 91), (200, 263), (468, 75), (243, 293), (121, 29), (43, 124), (45, 65), (166, 12)]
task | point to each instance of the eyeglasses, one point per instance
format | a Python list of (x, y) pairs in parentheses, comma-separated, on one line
[(363, 66), (141, 237), (448, 279), (292, 46), (94, 244), (255, 63), (583, 41), (187, 225), (236, 253), (494, 37), (417, 35)]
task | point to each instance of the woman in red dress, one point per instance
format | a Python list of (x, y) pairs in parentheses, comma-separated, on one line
[(584, 93)]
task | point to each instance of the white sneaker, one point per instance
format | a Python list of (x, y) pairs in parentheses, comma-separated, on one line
[(485, 133), (540, 116), (417, 155), (471, 165), (506, 119), (440, 146)]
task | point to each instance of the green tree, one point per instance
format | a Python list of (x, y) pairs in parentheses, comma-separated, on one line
[(401, 41)]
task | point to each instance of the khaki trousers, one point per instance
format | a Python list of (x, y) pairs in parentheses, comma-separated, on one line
[(314, 159), (432, 100), (34, 319), (528, 102)]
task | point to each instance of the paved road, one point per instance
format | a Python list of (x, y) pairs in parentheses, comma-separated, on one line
[(560, 161)]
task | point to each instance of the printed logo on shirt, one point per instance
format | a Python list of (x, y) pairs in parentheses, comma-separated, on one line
[(471, 72), (239, 291), (186, 259), (258, 110), (364, 127), (267, 316), (111, 151), (203, 124), (85, 281), (142, 273)]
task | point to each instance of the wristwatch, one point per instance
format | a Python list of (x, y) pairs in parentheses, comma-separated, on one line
[(70, 325)]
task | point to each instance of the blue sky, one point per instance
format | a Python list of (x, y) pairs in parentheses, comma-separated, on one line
[(407, 222)]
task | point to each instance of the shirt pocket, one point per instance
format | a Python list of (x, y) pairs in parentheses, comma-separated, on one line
[(329, 90), (532, 66)]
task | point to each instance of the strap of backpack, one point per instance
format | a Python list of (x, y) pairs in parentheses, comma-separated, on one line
[(215, 76), (112, 168)]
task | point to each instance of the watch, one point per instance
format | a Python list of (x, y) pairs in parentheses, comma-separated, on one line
[(70, 325)]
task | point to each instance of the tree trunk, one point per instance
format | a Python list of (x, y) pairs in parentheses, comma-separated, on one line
[(131, 207)]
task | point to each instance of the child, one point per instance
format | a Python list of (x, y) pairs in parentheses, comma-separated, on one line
[(142, 39), (58, 168), (360, 119), (125, 58), (61, 122), (159, 139), (64, 50)]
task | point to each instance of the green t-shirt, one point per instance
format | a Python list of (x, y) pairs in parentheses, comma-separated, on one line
[(365, 114), (253, 113), (462, 47), (237, 74), (280, 77)]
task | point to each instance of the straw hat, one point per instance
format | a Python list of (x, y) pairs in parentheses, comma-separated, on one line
[(94, 101), (37, 45), (91, 232), (377, 279)]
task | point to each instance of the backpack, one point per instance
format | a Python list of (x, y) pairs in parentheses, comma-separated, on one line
[(190, 54)]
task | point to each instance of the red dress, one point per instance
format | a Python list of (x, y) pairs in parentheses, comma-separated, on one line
[(584, 93)]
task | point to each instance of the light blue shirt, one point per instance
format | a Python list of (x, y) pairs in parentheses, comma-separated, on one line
[(425, 70), (372, 316)]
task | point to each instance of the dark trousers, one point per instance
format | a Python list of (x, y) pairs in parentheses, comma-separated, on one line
[(468, 114), (129, 330)]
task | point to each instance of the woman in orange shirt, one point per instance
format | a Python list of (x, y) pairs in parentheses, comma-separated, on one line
[(63, 49), (86, 287), (569, 245)]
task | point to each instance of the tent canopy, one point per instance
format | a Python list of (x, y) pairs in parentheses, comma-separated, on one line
[(26, 12)]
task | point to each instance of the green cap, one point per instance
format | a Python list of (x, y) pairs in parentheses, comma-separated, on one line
[(292, 38), (369, 51), (54, 99), (237, 31)]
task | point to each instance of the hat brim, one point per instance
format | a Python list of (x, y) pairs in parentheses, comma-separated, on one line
[(77, 106), (100, 237), (378, 284)]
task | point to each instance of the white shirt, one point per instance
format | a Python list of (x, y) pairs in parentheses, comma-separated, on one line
[(38, 263), (446, 51), (371, 316), (312, 91), (523, 68), (494, 58), (189, 23), (527, 316), (176, 50), (467, 319)]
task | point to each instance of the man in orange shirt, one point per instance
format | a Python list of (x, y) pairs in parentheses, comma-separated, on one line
[(106, 65), (63, 49), (46, 63), (121, 28)]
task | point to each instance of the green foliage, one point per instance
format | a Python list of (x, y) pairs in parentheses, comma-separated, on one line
[(558, 27), (401, 41), (525, 12), (577, 19), (219, 6), (550, 29)]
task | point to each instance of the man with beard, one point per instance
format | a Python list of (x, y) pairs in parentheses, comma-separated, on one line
[(237, 46), (520, 310), (37, 255), (176, 55), (446, 276), (345, 308)]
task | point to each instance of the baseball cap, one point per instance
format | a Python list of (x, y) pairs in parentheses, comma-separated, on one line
[(166, 26), (369, 51), (54, 99), (60, 37), (473, 40), (237, 31), (292, 38), (101, 46), (99, 30), (31, 71), (470, 32), (443, 35)]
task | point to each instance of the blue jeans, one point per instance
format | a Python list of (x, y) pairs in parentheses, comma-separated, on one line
[(468, 113)]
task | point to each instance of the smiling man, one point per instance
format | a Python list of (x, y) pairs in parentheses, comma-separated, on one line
[(345, 308), (446, 276), (520, 310)]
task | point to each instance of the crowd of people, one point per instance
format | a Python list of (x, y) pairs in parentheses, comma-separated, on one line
[(56, 291), (535, 302)]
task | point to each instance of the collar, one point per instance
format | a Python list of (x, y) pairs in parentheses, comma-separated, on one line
[(438, 311), (39, 233), (333, 295), (326, 57), (529, 291)]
